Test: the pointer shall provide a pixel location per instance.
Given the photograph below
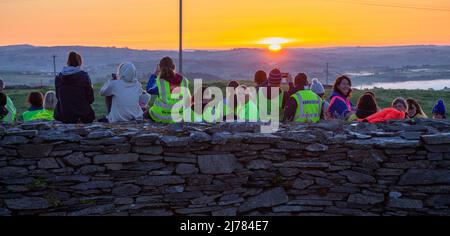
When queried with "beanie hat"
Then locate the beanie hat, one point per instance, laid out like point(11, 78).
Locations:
point(275, 77)
point(260, 77)
point(127, 72)
point(439, 108)
point(317, 87)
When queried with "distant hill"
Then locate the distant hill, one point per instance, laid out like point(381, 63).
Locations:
point(361, 62)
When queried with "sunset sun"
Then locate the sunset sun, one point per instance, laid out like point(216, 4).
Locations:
point(274, 44)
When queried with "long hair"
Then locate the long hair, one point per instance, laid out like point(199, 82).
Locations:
point(167, 68)
point(367, 105)
point(3, 102)
point(419, 110)
point(50, 101)
point(339, 81)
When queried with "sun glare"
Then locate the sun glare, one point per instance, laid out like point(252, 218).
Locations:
point(274, 44)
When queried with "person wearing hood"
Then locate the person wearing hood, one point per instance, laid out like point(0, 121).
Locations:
point(340, 105)
point(125, 90)
point(173, 89)
point(439, 112)
point(317, 88)
point(74, 93)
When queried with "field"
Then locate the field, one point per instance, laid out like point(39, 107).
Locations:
point(427, 98)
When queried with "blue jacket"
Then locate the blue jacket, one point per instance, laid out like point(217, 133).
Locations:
point(338, 109)
point(152, 88)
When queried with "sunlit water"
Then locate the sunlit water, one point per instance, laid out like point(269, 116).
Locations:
point(419, 84)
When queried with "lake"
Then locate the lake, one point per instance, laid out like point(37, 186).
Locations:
point(411, 85)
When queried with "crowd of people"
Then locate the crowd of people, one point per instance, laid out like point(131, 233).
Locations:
point(125, 100)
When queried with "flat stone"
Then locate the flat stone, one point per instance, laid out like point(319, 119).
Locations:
point(149, 150)
point(439, 201)
point(186, 169)
point(173, 141)
point(438, 148)
point(54, 136)
point(104, 141)
point(442, 138)
point(225, 212)
point(96, 210)
point(116, 158)
point(300, 137)
point(100, 135)
point(260, 138)
point(35, 150)
point(302, 184)
point(160, 180)
point(405, 203)
point(89, 169)
point(316, 147)
point(48, 163)
point(200, 137)
point(259, 165)
point(76, 159)
point(10, 171)
point(14, 140)
point(126, 190)
point(145, 139)
point(94, 185)
point(27, 203)
point(269, 198)
point(357, 178)
point(217, 164)
point(366, 199)
point(411, 135)
point(24, 133)
point(425, 177)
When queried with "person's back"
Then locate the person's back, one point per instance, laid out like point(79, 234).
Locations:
point(12, 111)
point(74, 93)
point(126, 92)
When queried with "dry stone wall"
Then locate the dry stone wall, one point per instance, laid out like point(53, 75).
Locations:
point(400, 168)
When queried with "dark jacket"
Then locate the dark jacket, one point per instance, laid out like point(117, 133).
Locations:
point(75, 96)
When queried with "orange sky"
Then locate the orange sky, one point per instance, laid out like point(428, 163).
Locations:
point(215, 24)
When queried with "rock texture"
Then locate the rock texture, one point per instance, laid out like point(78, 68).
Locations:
point(228, 169)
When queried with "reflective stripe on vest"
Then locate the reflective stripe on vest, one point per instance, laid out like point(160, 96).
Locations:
point(308, 110)
point(214, 113)
point(247, 112)
point(346, 101)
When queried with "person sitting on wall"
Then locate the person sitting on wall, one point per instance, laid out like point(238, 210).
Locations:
point(304, 106)
point(126, 91)
point(398, 111)
point(12, 111)
point(50, 102)
point(414, 109)
point(5, 116)
point(367, 105)
point(340, 105)
point(35, 100)
point(317, 88)
point(439, 112)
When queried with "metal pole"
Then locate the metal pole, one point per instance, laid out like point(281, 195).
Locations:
point(327, 73)
point(54, 65)
point(181, 39)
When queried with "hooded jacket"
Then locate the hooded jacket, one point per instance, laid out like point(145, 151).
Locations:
point(384, 116)
point(339, 109)
point(126, 93)
point(75, 95)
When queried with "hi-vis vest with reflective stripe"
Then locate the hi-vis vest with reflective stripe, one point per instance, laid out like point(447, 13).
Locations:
point(309, 106)
point(37, 115)
point(164, 109)
point(11, 111)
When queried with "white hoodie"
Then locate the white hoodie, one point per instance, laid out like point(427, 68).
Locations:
point(126, 92)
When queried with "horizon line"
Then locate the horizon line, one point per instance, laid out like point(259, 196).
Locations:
point(236, 48)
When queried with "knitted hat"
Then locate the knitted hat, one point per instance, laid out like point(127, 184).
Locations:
point(439, 108)
point(317, 87)
point(275, 77)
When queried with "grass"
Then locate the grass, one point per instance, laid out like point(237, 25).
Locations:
point(427, 98)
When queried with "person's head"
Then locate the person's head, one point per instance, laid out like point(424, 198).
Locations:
point(260, 78)
point(439, 111)
point(274, 79)
point(233, 84)
point(343, 85)
point(317, 88)
point(126, 72)
point(400, 104)
point(50, 100)
point(367, 105)
point(2, 84)
point(167, 68)
point(35, 99)
point(301, 81)
point(414, 108)
point(74, 59)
